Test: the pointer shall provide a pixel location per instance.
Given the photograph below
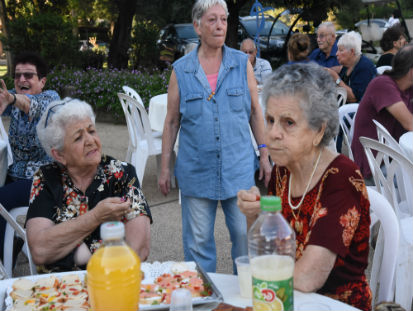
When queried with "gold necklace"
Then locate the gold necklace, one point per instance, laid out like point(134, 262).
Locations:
point(306, 189)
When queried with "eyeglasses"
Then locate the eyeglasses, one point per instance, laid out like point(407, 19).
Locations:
point(53, 110)
point(27, 75)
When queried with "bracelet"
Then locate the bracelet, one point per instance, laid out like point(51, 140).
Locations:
point(262, 146)
point(14, 99)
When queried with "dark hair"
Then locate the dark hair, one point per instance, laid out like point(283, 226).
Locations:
point(299, 46)
point(33, 59)
point(396, 13)
point(389, 36)
point(402, 62)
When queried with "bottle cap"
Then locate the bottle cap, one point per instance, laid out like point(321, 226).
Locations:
point(270, 203)
point(112, 230)
point(181, 300)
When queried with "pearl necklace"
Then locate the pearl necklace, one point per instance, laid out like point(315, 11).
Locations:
point(306, 189)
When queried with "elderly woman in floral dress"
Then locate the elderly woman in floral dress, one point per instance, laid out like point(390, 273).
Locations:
point(71, 197)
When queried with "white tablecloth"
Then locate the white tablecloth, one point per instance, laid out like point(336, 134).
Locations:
point(157, 111)
point(406, 143)
point(228, 286)
point(3, 161)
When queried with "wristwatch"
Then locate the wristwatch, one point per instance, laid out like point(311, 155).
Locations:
point(338, 81)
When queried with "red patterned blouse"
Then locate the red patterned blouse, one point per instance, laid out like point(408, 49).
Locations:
point(335, 215)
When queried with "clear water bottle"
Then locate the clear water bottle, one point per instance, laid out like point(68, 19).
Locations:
point(271, 248)
point(113, 272)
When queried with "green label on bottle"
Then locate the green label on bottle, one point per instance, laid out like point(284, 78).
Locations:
point(273, 295)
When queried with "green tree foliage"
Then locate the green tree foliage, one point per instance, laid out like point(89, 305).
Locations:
point(143, 50)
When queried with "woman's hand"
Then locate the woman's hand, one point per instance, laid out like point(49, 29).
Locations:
point(164, 181)
point(111, 209)
point(249, 203)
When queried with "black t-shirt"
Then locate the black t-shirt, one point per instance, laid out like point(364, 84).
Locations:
point(385, 60)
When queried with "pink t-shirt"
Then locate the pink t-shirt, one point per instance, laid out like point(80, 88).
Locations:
point(381, 93)
point(212, 80)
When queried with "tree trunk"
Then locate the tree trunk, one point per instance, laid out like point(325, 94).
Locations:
point(4, 22)
point(232, 32)
point(118, 51)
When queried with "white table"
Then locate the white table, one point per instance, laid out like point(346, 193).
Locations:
point(3, 161)
point(228, 286)
point(406, 143)
point(157, 111)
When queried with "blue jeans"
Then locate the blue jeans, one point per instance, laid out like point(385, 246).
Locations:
point(198, 220)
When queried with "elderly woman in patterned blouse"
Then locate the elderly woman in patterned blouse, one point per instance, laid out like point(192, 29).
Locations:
point(323, 193)
point(71, 197)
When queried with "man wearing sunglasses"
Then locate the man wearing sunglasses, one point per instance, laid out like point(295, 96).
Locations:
point(24, 105)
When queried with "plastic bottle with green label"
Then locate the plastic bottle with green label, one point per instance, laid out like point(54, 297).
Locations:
point(271, 248)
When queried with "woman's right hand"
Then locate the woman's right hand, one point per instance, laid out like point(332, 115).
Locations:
point(110, 209)
point(164, 181)
point(249, 202)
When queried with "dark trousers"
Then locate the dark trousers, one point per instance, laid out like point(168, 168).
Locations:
point(15, 193)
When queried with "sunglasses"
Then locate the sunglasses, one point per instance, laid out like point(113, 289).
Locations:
point(52, 110)
point(27, 75)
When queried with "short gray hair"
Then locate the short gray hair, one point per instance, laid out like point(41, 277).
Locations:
point(313, 86)
point(201, 6)
point(248, 40)
point(329, 26)
point(51, 128)
point(351, 40)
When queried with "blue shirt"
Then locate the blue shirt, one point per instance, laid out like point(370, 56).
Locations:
point(216, 157)
point(320, 58)
point(363, 72)
point(28, 153)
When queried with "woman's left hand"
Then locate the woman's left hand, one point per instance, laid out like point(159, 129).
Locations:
point(110, 209)
point(265, 169)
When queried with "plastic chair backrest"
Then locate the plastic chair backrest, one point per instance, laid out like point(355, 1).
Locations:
point(132, 93)
point(385, 137)
point(382, 69)
point(396, 183)
point(341, 96)
point(386, 250)
point(5, 137)
point(347, 115)
point(13, 228)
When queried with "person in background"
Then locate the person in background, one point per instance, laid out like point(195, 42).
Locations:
point(357, 70)
point(262, 67)
point(212, 102)
point(325, 54)
point(24, 105)
point(388, 100)
point(71, 197)
point(393, 40)
point(393, 19)
point(323, 195)
point(298, 48)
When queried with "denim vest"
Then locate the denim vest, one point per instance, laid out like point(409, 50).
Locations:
point(216, 157)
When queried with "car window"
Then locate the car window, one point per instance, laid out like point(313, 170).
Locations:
point(186, 32)
point(279, 28)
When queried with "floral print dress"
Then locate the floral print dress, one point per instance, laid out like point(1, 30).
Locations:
point(54, 196)
point(335, 214)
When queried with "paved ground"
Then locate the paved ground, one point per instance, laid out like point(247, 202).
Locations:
point(166, 243)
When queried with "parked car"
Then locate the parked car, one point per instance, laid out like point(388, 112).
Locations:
point(379, 21)
point(175, 40)
point(271, 45)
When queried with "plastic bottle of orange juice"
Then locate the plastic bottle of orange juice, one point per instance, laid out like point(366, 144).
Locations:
point(113, 272)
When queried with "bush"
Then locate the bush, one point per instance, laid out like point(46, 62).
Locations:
point(48, 34)
point(99, 87)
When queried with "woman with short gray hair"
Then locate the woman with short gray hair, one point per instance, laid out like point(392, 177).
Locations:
point(79, 191)
point(213, 103)
point(357, 70)
point(323, 195)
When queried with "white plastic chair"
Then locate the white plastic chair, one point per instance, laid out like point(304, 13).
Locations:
point(13, 228)
point(4, 136)
point(385, 137)
point(347, 115)
point(382, 69)
point(143, 142)
point(341, 96)
point(401, 199)
point(132, 93)
point(385, 253)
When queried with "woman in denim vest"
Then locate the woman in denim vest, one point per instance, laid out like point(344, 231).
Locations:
point(213, 101)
